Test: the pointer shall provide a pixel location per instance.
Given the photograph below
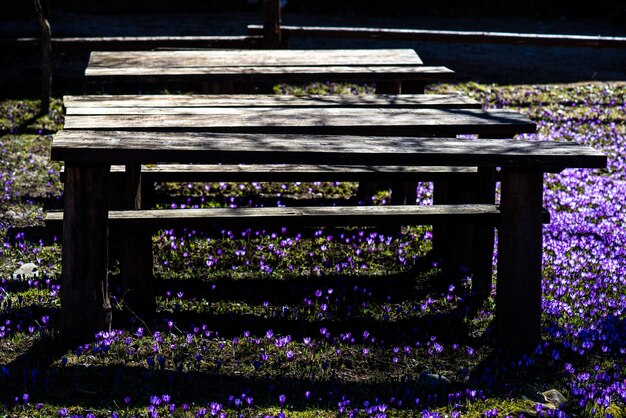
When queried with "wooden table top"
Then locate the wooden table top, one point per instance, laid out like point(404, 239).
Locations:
point(253, 58)
point(310, 120)
point(261, 66)
point(121, 147)
point(97, 104)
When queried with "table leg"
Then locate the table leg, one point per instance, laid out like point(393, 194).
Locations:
point(85, 305)
point(484, 237)
point(136, 253)
point(217, 87)
point(402, 193)
point(518, 293)
point(454, 244)
point(413, 87)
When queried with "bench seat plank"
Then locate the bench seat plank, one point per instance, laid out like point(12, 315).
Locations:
point(201, 147)
point(85, 105)
point(259, 58)
point(333, 216)
point(304, 216)
point(315, 120)
point(267, 74)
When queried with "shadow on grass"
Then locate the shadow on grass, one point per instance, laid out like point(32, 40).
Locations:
point(105, 386)
point(393, 307)
point(40, 372)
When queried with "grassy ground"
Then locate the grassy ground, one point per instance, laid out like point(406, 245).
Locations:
point(308, 323)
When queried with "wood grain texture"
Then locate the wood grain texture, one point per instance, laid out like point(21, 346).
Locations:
point(306, 216)
point(253, 58)
point(288, 172)
point(293, 172)
point(85, 304)
point(518, 292)
point(267, 74)
point(317, 120)
point(87, 105)
point(210, 148)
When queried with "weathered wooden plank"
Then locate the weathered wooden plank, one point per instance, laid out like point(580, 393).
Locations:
point(426, 35)
point(267, 74)
point(289, 172)
point(288, 113)
point(85, 305)
point(318, 120)
point(293, 172)
point(254, 58)
point(306, 216)
point(211, 148)
point(77, 105)
point(518, 293)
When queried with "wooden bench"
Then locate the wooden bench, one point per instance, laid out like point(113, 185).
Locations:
point(222, 71)
point(88, 155)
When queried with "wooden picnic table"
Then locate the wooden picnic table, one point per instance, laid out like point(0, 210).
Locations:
point(227, 71)
point(126, 131)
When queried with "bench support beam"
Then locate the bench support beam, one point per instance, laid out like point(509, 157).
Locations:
point(518, 296)
point(85, 305)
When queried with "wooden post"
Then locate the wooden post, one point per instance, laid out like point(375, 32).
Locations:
point(85, 305)
point(454, 244)
point(218, 87)
point(402, 193)
point(482, 269)
point(271, 24)
point(518, 293)
point(136, 253)
point(413, 87)
point(46, 57)
point(388, 87)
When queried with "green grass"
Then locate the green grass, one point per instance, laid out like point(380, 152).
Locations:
point(347, 281)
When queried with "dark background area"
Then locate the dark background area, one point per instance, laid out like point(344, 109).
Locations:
point(614, 9)
point(488, 63)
